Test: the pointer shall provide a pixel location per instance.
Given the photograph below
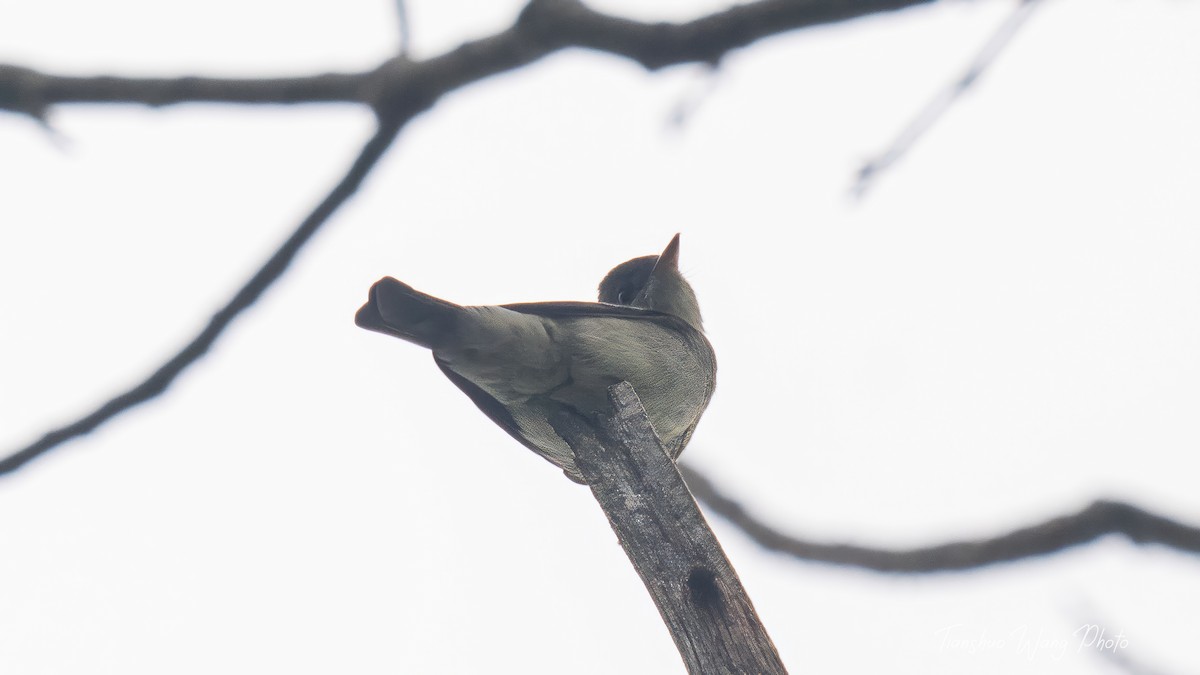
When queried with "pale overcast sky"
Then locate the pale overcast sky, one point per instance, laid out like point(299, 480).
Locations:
point(1003, 331)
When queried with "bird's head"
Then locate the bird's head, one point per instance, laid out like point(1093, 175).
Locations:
point(653, 282)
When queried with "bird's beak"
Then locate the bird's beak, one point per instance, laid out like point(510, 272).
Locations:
point(669, 258)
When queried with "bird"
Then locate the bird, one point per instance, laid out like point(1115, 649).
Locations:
point(523, 363)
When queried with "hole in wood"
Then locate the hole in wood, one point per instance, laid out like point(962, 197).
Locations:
point(702, 585)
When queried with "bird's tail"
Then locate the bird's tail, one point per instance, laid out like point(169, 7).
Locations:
point(397, 309)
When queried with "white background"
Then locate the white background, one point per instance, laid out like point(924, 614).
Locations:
point(1004, 330)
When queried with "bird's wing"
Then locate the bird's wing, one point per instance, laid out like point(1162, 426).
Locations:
point(495, 411)
point(575, 310)
point(567, 310)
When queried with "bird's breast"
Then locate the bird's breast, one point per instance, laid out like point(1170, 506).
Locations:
point(671, 370)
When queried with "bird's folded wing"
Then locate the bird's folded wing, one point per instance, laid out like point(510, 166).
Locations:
point(576, 310)
point(500, 415)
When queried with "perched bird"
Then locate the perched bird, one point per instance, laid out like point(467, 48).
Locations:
point(522, 363)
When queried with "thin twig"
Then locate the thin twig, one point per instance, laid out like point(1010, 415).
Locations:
point(694, 98)
point(402, 27)
point(1109, 642)
point(159, 380)
point(1097, 520)
point(939, 104)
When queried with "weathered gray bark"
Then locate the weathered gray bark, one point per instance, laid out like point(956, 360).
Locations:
point(659, 525)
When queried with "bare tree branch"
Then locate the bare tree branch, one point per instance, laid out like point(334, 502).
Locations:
point(939, 104)
point(159, 380)
point(544, 27)
point(671, 546)
point(31, 92)
point(1057, 534)
point(398, 90)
